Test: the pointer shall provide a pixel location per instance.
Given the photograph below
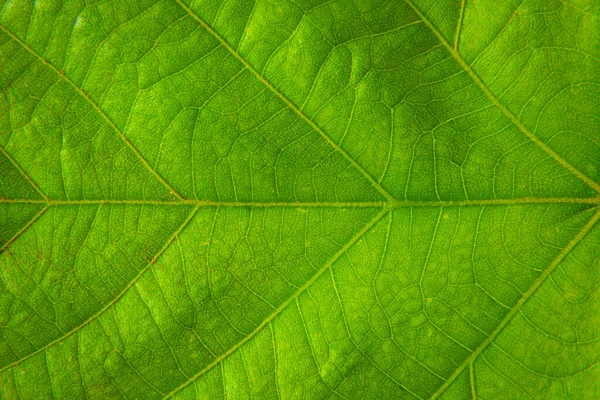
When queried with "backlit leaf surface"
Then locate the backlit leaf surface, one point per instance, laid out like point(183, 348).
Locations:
point(286, 199)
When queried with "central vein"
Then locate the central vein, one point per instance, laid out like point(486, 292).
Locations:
point(391, 204)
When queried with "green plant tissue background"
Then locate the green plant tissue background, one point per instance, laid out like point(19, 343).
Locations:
point(300, 199)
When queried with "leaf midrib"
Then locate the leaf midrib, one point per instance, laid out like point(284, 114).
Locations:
point(392, 204)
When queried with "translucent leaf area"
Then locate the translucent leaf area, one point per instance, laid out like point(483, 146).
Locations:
point(299, 199)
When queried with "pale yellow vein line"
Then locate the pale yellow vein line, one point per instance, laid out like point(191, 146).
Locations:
point(18, 167)
point(472, 381)
point(97, 108)
point(20, 232)
point(459, 24)
point(498, 202)
point(204, 203)
point(389, 204)
point(594, 185)
point(526, 296)
point(283, 305)
point(291, 105)
point(113, 301)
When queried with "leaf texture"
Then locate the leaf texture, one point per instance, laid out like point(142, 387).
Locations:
point(316, 199)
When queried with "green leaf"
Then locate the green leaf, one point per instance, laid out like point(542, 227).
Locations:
point(299, 199)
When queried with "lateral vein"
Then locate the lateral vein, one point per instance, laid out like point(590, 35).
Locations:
point(458, 58)
point(526, 296)
point(18, 167)
point(23, 229)
point(97, 108)
point(114, 300)
point(459, 24)
point(288, 102)
point(283, 305)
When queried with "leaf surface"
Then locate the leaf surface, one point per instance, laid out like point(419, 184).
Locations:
point(315, 199)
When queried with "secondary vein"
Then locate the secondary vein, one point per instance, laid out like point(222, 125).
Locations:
point(526, 296)
point(459, 24)
point(288, 102)
point(95, 107)
point(23, 229)
point(18, 167)
point(113, 301)
point(458, 58)
point(283, 305)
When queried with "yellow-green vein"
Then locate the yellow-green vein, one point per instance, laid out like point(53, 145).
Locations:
point(291, 105)
point(18, 167)
point(593, 201)
point(96, 108)
point(459, 24)
point(526, 296)
point(113, 301)
point(23, 229)
point(458, 58)
point(283, 305)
